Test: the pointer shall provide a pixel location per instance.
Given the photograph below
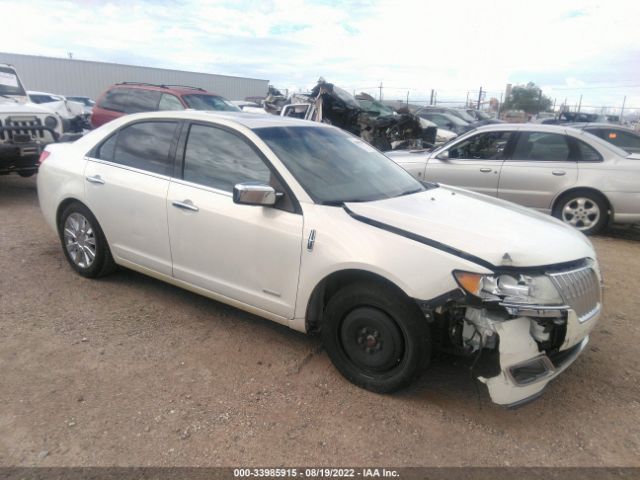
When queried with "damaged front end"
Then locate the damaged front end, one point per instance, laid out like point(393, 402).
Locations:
point(522, 327)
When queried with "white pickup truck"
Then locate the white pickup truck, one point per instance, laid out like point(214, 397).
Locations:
point(25, 128)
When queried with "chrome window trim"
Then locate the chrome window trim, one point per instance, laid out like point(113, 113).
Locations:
point(201, 187)
point(126, 167)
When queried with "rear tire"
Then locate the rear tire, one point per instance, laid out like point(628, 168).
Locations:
point(585, 210)
point(375, 337)
point(84, 243)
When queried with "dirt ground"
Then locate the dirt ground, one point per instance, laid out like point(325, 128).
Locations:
point(130, 371)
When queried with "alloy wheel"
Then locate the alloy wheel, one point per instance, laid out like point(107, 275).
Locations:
point(582, 213)
point(80, 240)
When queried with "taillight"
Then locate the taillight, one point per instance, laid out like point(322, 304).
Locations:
point(43, 156)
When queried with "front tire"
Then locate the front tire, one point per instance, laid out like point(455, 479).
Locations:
point(583, 209)
point(84, 243)
point(375, 337)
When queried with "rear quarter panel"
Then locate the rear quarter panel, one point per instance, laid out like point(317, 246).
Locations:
point(60, 177)
point(619, 180)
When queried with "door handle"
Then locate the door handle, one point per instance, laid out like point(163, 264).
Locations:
point(186, 205)
point(485, 170)
point(558, 173)
point(97, 179)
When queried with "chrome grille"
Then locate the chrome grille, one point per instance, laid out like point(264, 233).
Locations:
point(580, 289)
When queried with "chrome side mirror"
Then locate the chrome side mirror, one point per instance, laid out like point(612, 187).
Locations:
point(443, 155)
point(254, 193)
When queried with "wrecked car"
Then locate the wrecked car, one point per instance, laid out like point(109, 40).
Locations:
point(73, 115)
point(384, 129)
point(311, 227)
point(25, 128)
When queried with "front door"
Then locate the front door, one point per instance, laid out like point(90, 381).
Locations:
point(474, 163)
point(250, 254)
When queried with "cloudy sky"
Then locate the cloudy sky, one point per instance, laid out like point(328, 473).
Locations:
point(569, 47)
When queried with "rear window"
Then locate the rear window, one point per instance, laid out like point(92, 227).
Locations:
point(115, 99)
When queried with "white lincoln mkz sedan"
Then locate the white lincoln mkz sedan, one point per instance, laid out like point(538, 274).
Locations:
point(309, 226)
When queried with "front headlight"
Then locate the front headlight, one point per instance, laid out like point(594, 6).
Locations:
point(51, 122)
point(513, 288)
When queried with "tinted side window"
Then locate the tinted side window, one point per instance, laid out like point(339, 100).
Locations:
point(115, 99)
point(484, 146)
point(106, 150)
point(219, 159)
point(142, 101)
point(587, 153)
point(542, 146)
point(146, 146)
point(169, 102)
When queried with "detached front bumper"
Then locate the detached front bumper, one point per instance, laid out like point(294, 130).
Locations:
point(525, 371)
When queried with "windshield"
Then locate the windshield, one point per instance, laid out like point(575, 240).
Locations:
point(334, 167)
point(483, 115)
point(209, 102)
point(9, 83)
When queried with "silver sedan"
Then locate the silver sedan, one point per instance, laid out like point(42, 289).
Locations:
point(573, 175)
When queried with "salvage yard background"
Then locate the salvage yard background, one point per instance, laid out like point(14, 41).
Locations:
point(131, 371)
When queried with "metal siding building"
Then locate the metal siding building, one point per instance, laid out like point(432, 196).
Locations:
point(88, 78)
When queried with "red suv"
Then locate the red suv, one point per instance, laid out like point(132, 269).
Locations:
point(130, 97)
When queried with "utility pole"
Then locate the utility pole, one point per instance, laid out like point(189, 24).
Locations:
point(554, 106)
point(435, 99)
point(622, 110)
point(539, 101)
point(380, 96)
point(431, 99)
point(580, 103)
point(479, 97)
point(407, 97)
point(467, 102)
point(499, 105)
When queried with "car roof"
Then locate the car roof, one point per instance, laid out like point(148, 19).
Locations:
point(245, 119)
point(584, 125)
point(177, 89)
point(532, 127)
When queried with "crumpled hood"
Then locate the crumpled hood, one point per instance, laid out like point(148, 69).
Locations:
point(496, 231)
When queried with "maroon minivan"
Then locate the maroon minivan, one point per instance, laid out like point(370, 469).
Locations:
point(132, 97)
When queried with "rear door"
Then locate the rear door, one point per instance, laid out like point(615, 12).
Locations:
point(127, 179)
point(473, 163)
point(542, 165)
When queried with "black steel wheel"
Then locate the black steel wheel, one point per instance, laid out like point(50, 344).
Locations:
point(376, 337)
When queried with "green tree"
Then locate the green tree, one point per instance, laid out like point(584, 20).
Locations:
point(529, 98)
